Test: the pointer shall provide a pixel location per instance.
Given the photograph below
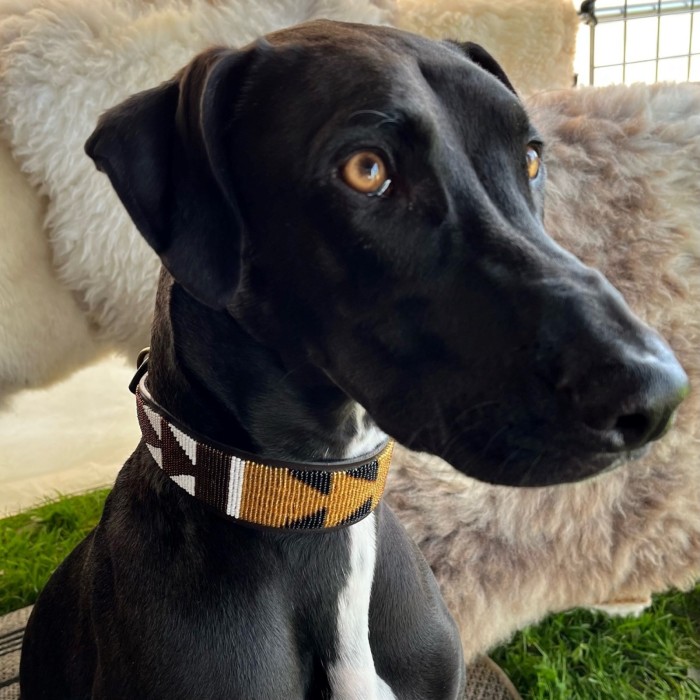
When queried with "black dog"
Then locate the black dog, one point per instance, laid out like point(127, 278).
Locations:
point(350, 220)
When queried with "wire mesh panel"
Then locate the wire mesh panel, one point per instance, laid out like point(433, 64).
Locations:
point(632, 41)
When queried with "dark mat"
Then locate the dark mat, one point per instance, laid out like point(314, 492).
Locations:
point(11, 631)
point(485, 680)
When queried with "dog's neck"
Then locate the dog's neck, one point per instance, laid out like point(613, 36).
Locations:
point(216, 378)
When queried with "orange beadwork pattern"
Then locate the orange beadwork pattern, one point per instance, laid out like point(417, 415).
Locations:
point(278, 497)
point(285, 495)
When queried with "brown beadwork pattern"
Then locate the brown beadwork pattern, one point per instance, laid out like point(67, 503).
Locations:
point(277, 496)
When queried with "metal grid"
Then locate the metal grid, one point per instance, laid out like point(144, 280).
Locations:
point(645, 52)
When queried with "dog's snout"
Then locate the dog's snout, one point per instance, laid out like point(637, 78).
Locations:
point(616, 380)
point(632, 401)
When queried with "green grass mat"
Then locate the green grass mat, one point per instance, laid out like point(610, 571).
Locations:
point(589, 656)
point(573, 656)
point(34, 543)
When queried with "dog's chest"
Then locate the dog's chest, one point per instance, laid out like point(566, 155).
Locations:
point(352, 675)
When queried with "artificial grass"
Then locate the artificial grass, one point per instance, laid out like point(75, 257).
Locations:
point(579, 655)
point(588, 655)
point(34, 543)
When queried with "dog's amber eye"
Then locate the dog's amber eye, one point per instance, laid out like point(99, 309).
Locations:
point(533, 162)
point(366, 172)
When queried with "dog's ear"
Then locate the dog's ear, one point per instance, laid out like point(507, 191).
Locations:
point(479, 55)
point(163, 150)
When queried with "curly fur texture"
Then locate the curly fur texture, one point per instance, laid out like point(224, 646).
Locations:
point(39, 342)
point(623, 194)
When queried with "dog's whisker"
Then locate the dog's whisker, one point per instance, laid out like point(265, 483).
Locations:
point(493, 437)
point(290, 372)
point(454, 431)
point(385, 118)
point(504, 463)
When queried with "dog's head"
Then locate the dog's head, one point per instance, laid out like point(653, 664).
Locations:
point(371, 201)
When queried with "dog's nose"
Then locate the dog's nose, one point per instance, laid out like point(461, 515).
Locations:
point(615, 378)
point(633, 401)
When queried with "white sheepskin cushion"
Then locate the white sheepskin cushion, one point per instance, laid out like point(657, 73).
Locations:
point(534, 40)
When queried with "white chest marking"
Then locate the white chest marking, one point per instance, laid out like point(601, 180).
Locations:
point(353, 676)
point(366, 439)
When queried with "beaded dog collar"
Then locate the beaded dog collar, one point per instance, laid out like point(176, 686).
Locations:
point(276, 494)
